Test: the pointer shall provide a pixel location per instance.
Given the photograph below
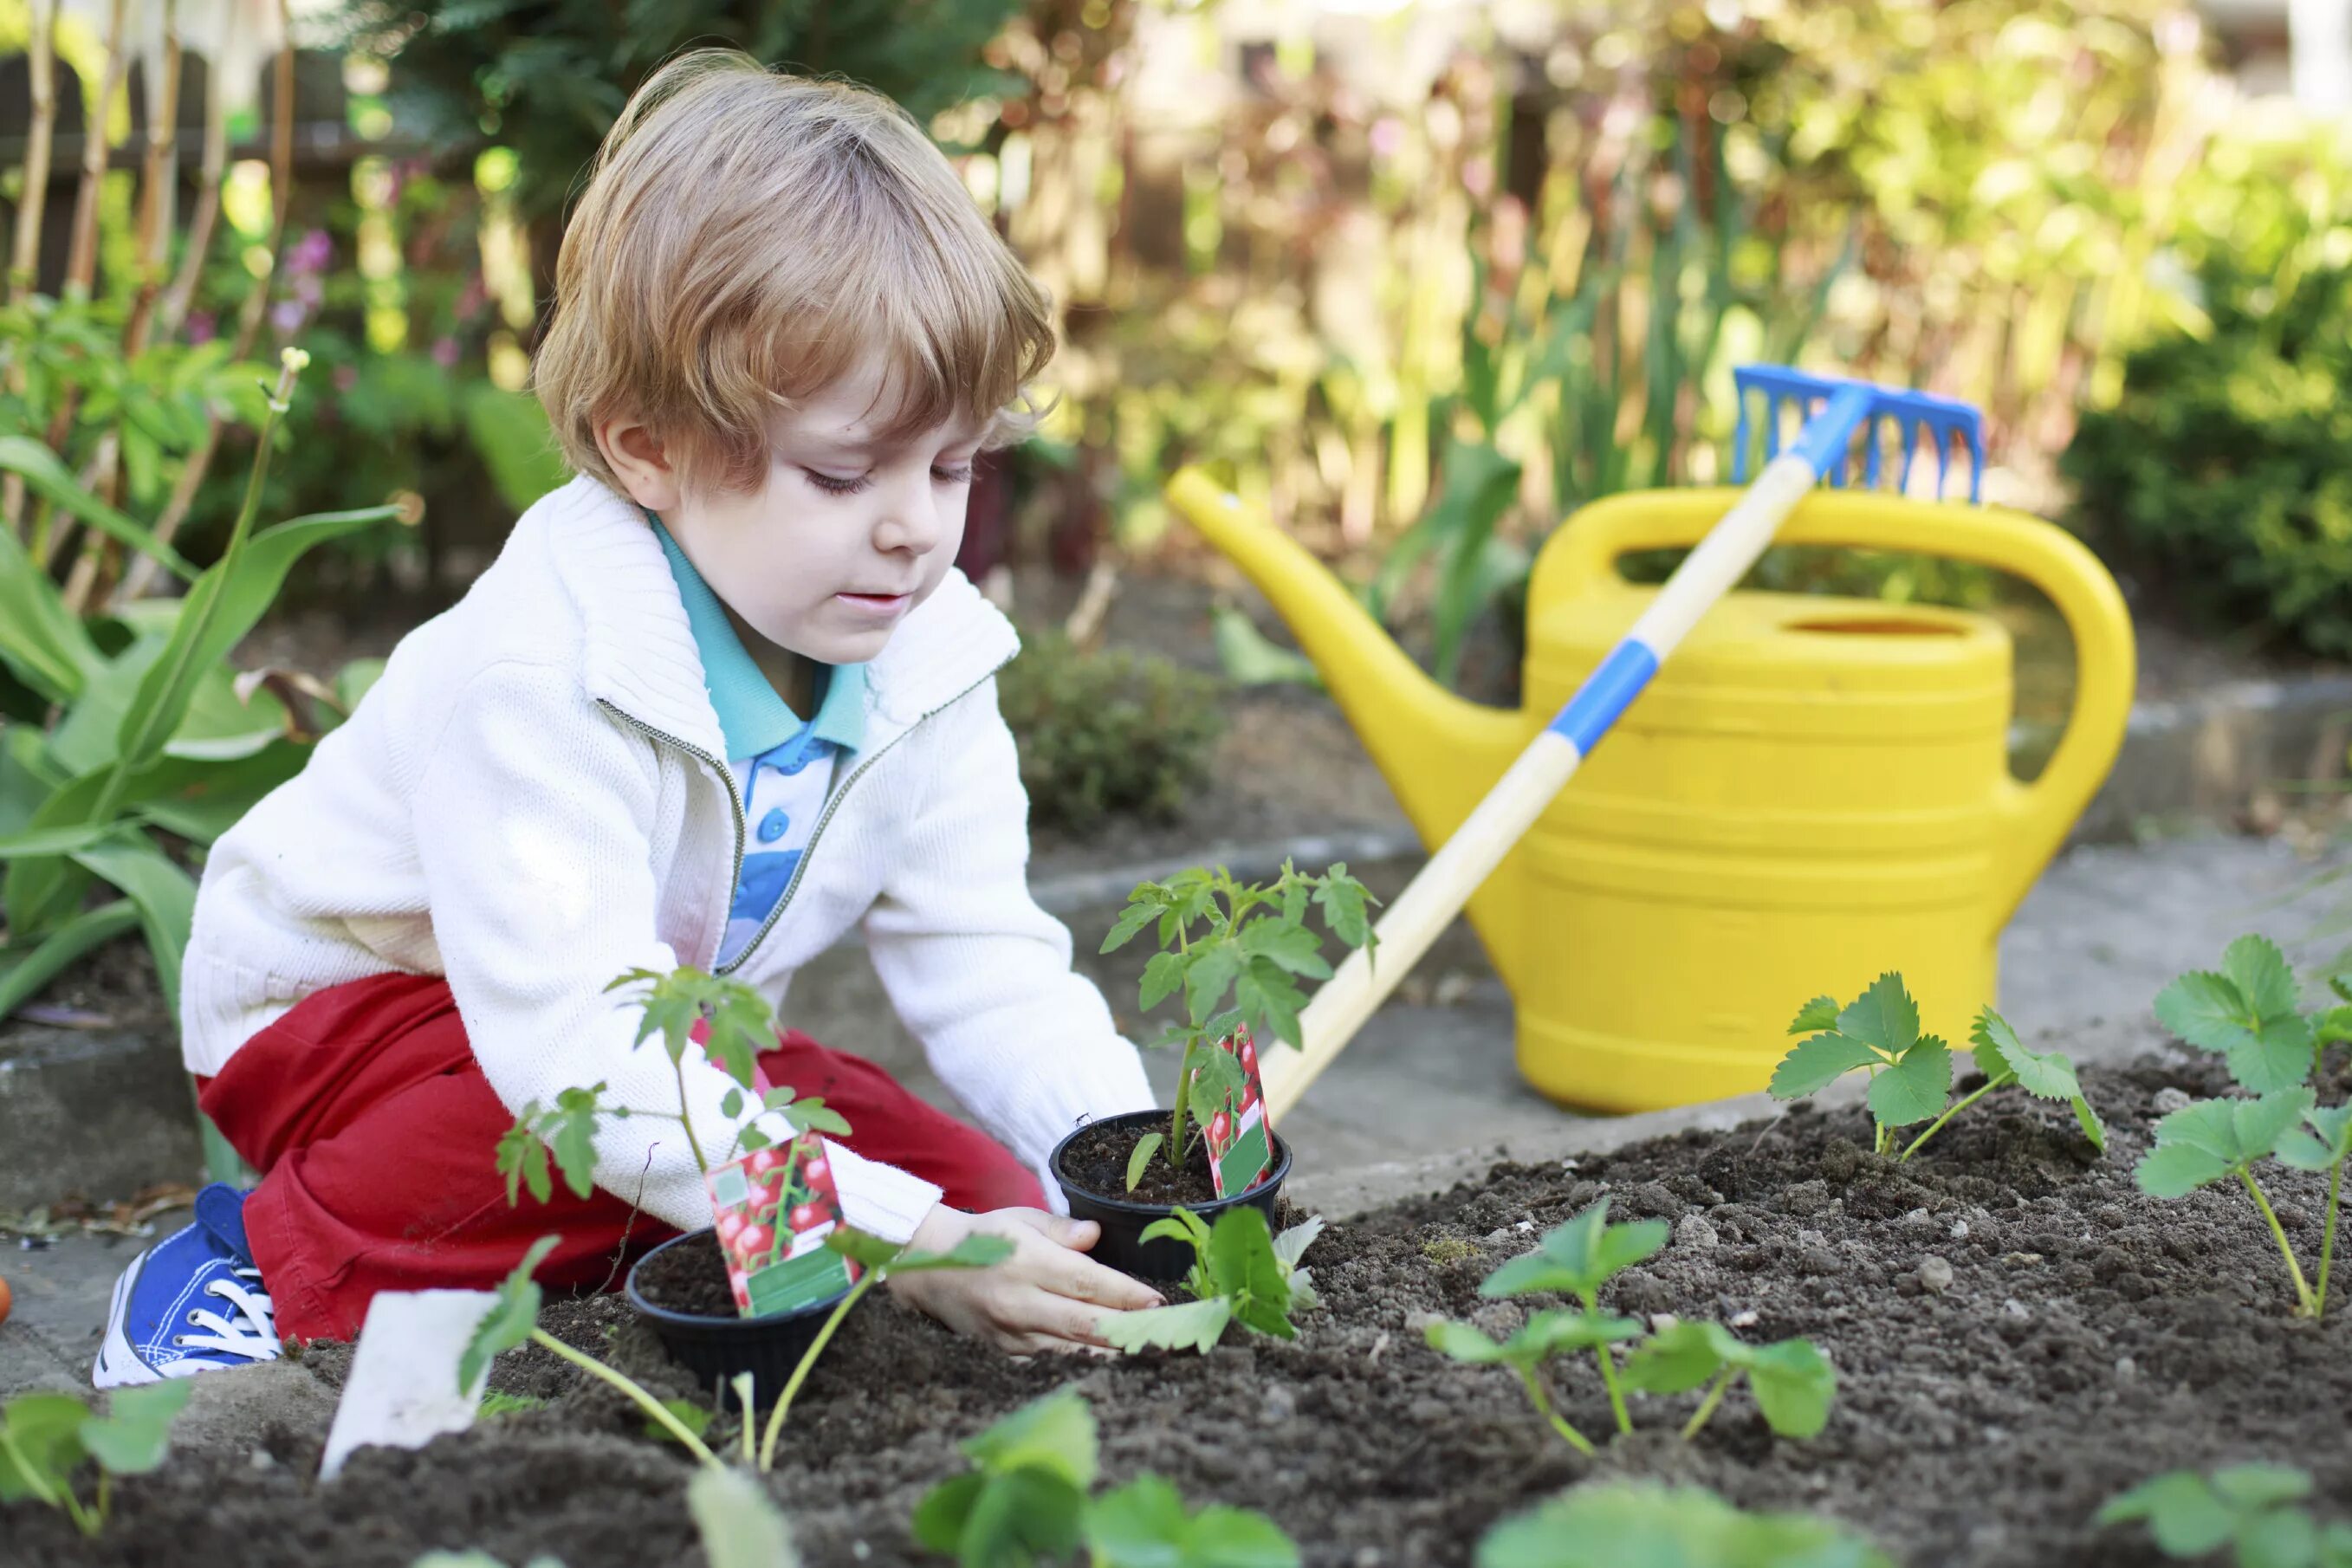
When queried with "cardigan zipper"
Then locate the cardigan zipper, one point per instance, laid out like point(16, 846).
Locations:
point(831, 803)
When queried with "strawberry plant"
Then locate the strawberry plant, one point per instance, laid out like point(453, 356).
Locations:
point(45, 1437)
point(1793, 1383)
point(1241, 1273)
point(1616, 1524)
point(1911, 1072)
point(1252, 944)
point(2247, 1508)
point(2247, 1014)
point(1028, 1499)
point(737, 1024)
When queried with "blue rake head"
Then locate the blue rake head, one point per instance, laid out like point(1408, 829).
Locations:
point(1914, 416)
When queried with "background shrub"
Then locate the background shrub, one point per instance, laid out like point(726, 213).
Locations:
point(1106, 734)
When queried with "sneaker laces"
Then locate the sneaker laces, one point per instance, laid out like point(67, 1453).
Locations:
point(250, 1329)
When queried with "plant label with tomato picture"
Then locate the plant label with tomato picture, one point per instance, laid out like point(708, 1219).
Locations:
point(1241, 1145)
point(774, 1207)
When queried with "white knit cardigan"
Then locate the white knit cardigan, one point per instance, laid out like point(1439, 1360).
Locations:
point(533, 799)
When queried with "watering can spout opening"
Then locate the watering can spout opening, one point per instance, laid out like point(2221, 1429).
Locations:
point(1438, 752)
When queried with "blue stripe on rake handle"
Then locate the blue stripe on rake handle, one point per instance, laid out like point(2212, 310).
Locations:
point(1606, 692)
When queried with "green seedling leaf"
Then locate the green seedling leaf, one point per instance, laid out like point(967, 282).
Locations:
point(814, 1116)
point(1553, 1331)
point(740, 1526)
point(1140, 1156)
point(2263, 977)
point(940, 1516)
point(1916, 1087)
point(1293, 947)
point(1818, 1016)
point(2325, 1145)
point(2247, 1014)
point(971, 1252)
point(1056, 1435)
point(1883, 1017)
point(1163, 978)
point(1342, 899)
point(866, 1251)
point(2004, 1058)
point(1679, 1359)
point(2202, 1143)
point(1181, 1326)
point(1180, 1225)
point(2205, 1010)
point(135, 1433)
point(1139, 913)
point(1292, 1244)
point(1144, 1524)
point(1464, 1343)
point(1242, 1269)
point(512, 1315)
point(1794, 1385)
point(690, 1415)
point(2191, 1515)
point(498, 1403)
point(1027, 1516)
point(1207, 977)
point(1815, 1064)
point(1578, 1256)
point(522, 1159)
point(1640, 1524)
point(42, 1445)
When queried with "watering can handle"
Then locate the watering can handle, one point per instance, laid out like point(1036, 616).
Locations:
point(2036, 815)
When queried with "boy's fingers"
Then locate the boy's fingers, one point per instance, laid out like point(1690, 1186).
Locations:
point(1070, 1274)
point(1078, 1235)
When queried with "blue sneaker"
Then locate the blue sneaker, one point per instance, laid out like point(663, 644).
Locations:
point(193, 1302)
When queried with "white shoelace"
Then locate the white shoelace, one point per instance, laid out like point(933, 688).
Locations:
point(249, 1330)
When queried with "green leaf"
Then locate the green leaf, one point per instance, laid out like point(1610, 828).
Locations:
point(571, 1131)
point(48, 478)
point(1916, 1087)
point(1818, 1016)
point(1131, 920)
point(2260, 1485)
point(1640, 1524)
point(1183, 1224)
point(1144, 1525)
point(866, 1251)
point(694, 1417)
point(1210, 970)
point(41, 641)
point(1023, 1517)
point(1463, 1342)
point(24, 976)
point(522, 1158)
point(2175, 1170)
point(1342, 899)
point(1056, 1435)
point(730, 1104)
point(509, 432)
point(812, 1115)
point(1163, 978)
point(44, 1446)
point(1181, 1326)
point(1883, 1017)
point(1271, 1002)
point(2181, 1510)
point(1294, 948)
point(1577, 1258)
point(1140, 1155)
point(2261, 1122)
point(164, 896)
point(1292, 1244)
point(1813, 1064)
point(1243, 1270)
point(1675, 1360)
point(740, 1527)
point(513, 1313)
point(2329, 1141)
point(2205, 1009)
point(1794, 1385)
point(2276, 1056)
point(2088, 1120)
point(2263, 977)
point(971, 1252)
point(940, 1516)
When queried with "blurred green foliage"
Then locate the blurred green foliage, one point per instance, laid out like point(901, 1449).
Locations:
point(2224, 473)
point(1107, 733)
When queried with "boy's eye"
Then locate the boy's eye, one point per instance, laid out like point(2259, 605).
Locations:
point(832, 484)
point(952, 473)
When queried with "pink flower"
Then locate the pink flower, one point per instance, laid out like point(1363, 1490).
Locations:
point(201, 327)
point(444, 353)
point(287, 315)
point(311, 252)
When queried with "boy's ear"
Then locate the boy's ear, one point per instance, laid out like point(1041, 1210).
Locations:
point(640, 462)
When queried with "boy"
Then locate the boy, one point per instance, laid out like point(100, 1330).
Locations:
point(719, 697)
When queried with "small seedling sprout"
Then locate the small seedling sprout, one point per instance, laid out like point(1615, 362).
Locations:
point(45, 1437)
point(1254, 946)
point(1793, 1381)
point(1027, 1500)
point(1613, 1524)
point(2248, 1508)
point(1241, 1273)
point(1910, 1072)
point(2246, 1014)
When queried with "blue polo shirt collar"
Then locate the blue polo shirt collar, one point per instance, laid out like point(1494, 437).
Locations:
point(751, 717)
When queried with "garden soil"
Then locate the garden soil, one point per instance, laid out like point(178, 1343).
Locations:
point(2019, 1334)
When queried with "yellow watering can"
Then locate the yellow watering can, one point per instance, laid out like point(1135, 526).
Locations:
point(1813, 790)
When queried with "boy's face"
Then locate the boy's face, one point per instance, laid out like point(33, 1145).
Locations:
point(845, 537)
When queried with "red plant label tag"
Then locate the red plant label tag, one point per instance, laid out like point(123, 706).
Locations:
point(1241, 1145)
point(774, 1209)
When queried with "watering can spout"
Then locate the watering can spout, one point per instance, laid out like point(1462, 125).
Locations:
point(1404, 716)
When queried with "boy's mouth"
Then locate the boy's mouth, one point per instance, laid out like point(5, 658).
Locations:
point(877, 604)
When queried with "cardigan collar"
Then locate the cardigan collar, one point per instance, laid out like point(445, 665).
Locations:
point(639, 652)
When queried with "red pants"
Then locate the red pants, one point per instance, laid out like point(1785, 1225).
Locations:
point(375, 1131)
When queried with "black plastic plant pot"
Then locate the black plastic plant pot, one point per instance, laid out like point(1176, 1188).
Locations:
point(1123, 1220)
point(715, 1350)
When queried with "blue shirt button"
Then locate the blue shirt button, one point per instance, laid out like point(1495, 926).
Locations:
point(773, 826)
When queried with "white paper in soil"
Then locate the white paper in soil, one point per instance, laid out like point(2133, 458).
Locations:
point(402, 1391)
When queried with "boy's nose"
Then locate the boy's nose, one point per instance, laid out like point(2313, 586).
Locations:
point(912, 520)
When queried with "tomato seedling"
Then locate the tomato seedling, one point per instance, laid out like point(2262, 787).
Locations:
point(1253, 945)
point(45, 1437)
point(1241, 1273)
point(1911, 1072)
point(1792, 1381)
point(2247, 1508)
point(738, 1024)
point(1029, 1499)
point(1613, 1524)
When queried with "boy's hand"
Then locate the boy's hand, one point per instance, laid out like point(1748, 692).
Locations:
point(1046, 1297)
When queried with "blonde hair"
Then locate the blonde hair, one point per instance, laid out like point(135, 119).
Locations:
point(745, 237)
